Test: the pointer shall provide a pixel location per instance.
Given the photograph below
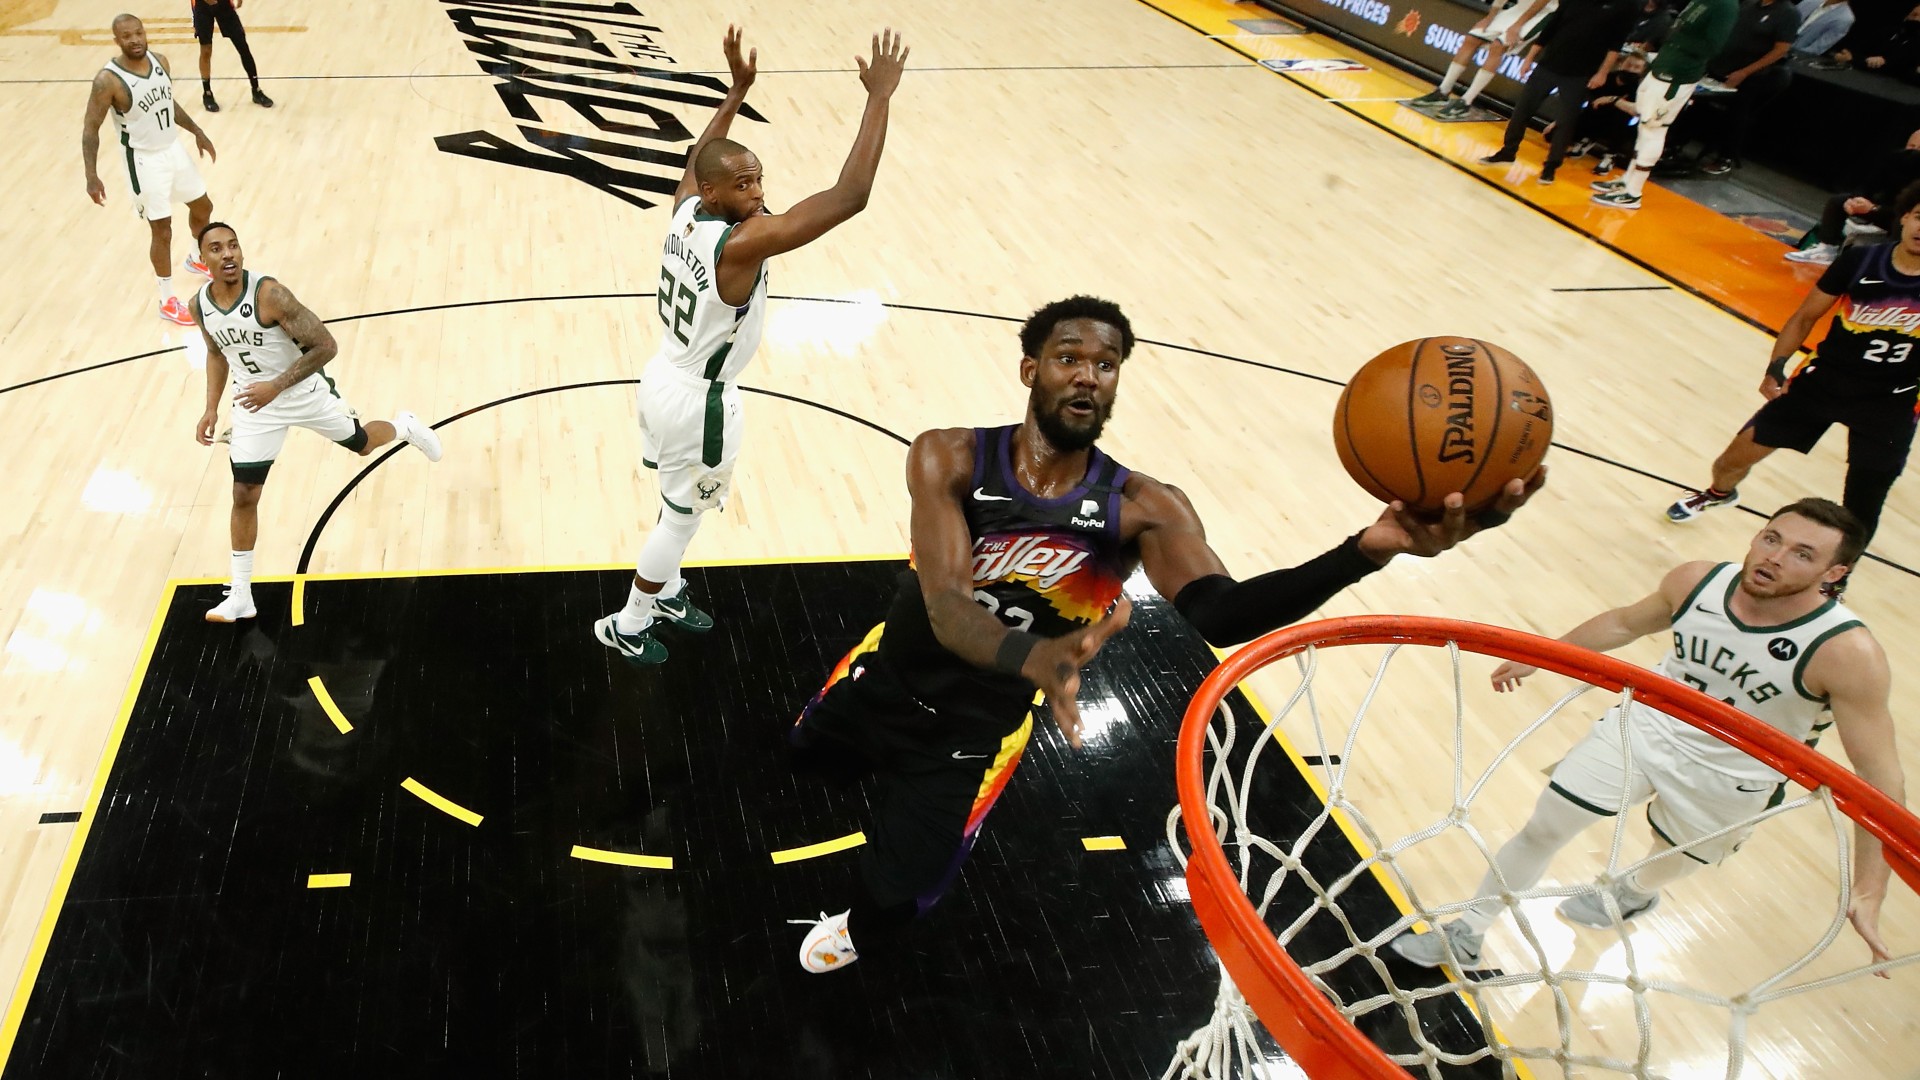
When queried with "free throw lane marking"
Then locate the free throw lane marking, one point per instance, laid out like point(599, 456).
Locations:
point(440, 802)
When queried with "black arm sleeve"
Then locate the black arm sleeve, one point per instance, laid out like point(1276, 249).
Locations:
point(1228, 612)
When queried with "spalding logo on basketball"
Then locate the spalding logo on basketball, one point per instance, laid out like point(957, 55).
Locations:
point(1430, 417)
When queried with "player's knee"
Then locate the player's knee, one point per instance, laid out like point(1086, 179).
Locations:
point(246, 495)
point(162, 229)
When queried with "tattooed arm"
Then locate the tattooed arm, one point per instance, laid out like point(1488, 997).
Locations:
point(278, 305)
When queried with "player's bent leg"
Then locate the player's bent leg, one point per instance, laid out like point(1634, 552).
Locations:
point(1731, 467)
point(199, 213)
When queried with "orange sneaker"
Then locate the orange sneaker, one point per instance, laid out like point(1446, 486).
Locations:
point(194, 266)
point(175, 311)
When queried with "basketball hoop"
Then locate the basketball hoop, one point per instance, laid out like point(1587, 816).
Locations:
point(1295, 1000)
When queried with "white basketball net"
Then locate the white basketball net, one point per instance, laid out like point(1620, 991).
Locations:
point(1228, 1044)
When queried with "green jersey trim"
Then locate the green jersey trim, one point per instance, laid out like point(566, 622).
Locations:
point(1801, 621)
point(1800, 668)
point(245, 286)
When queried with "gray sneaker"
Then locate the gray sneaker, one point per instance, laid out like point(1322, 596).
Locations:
point(679, 611)
point(1430, 948)
point(1435, 97)
point(1699, 503)
point(1589, 909)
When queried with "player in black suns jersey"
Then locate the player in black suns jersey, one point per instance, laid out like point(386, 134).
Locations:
point(1022, 536)
point(1864, 375)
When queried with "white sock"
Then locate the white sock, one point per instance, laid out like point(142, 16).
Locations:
point(166, 289)
point(1480, 80)
point(638, 614)
point(242, 573)
point(1636, 180)
point(1454, 71)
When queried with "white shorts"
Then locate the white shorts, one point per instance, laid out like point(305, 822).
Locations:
point(1504, 19)
point(160, 178)
point(258, 436)
point(1653, 104)
point(690, 431)
point(1689, 800)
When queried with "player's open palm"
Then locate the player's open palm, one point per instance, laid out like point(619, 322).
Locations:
point(1508, 675)
point(882, 74)
point(742, 68)
point(1054, 666)
point(1865, 916)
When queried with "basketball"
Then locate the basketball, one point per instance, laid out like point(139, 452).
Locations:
point(1442, 414)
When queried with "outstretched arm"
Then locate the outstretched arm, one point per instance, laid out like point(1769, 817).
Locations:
point(1619, 626)
point(99, 100)
point(278, 304)
point(743, 71)
point(1852, 670)
point(758, 239)
point(1183, 567)
point(939, 465)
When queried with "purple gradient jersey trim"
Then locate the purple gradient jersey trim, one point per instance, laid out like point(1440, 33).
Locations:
point(1019, 490)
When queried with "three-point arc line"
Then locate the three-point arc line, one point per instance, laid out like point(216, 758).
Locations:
point(440, 802)
point(327, 706)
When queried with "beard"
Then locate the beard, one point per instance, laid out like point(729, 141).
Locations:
point(1070, 434)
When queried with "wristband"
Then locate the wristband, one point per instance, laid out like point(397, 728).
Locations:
point(1777, 369)
point(1011, 657)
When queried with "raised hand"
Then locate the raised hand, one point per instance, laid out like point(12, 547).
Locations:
point(1401, 532)
point(1508, 675)
point(882, 74)
point(743, 70)
point(1054, 666)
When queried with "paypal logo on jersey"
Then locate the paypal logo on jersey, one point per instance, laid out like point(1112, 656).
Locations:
point(1086, 520)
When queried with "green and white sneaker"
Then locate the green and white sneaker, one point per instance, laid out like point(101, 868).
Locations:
point(1433, 97)
point(679, 611)
point(1429, 949)
point(1607, 187)
point(641, 648)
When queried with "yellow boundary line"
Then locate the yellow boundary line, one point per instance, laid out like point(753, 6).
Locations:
point(373, 575)
point(440, 802)
point(329, 881)
point(327, 706)
point(621, 858)
point(57, 899)
point(825, 847)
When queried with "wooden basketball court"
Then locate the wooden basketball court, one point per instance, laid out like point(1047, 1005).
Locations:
point(484, 243)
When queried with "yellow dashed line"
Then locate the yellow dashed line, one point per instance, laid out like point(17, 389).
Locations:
point(440, 802)
point(327, 706)
point(814, 851)
point(1103, 843)
point(329, 881)
point(622, 858)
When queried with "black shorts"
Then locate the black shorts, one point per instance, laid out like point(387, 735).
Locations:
point(220, 11)
point(1879, 424)
point(934, 776)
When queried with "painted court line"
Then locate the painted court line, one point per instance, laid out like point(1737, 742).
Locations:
point(1103, 843)
point(440, 802)
point(621, 858)
point(327, 706)
point(826, 847)
point(329, 881)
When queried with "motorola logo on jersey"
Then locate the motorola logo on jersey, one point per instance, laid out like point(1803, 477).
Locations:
point(1783, 648)
point(595, 94)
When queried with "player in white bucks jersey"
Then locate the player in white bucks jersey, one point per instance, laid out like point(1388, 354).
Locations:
point(1760, 635)
point(712, 300)
point(136, 89)
point(268, 348)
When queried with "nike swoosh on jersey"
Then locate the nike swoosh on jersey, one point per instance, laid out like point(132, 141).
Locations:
point(1873, 281)
point(1705, 610)
point(981, 494)
point(1754, 790)
point(958, 756)
point(1904, 389)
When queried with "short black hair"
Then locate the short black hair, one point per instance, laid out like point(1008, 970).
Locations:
point(1853, 533)
point(124, 17)
point(1904, 202)
point(708, 164)
point(1039, 325)
point(201, 236)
